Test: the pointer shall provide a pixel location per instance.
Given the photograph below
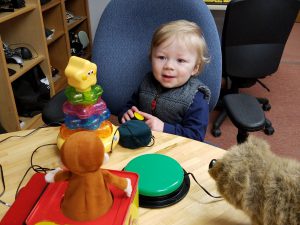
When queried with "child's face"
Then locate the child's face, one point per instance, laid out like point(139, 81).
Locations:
point(173, 63)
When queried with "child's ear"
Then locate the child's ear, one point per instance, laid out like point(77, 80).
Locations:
point(196, 69)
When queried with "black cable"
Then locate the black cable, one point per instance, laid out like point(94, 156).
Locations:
point(21, 136)
point(35, 150)
point(113, 139)
point(3, 183)
point(36, 129)
point(207, 192)
point(5, 203)
point(2, 180)
point(35, 168)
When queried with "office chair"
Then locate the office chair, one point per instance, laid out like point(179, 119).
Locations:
point(121, 48)
point(253, 39)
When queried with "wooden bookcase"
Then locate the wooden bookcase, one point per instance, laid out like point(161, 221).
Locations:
point(58, 45)
point(54, 16)
point(27, 25)
point(23, 26)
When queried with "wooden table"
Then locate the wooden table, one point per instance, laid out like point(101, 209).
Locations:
point(196, 208)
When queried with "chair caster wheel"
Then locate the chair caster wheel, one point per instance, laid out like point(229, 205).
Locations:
point(266, 107)
point(216, 132)
point(269, 130)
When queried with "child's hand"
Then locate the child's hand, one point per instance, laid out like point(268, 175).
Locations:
point(153, 122)
point(129, 114)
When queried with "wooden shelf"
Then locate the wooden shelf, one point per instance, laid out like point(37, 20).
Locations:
point(56, 35)
point(59, 47)
point(50, 5)
point(60, 83)
point(26, 67)
point(87, 55)
point(31, 123)
point(26, 26)
point(76, 22)
point(5, 16)
point(23, 27)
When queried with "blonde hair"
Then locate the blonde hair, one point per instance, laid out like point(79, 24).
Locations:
point(189, 32)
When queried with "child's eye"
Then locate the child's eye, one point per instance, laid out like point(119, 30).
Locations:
point(181, 60)
point(161, 57)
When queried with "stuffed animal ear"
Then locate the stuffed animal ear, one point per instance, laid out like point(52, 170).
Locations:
point(216, 169)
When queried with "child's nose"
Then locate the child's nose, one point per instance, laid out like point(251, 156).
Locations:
point(168, 64)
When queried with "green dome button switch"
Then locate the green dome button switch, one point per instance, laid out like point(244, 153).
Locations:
point(159, 175)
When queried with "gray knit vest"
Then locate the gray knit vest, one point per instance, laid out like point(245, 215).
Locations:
point(170, 104)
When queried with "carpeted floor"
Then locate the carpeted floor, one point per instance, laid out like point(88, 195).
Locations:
point(284, 99)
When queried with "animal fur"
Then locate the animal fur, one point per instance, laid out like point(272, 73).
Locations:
point(265, 186)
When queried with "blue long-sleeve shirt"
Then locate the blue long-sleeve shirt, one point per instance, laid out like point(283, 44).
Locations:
point(194, 123)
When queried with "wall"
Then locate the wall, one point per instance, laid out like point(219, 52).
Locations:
point(96, 8)
point(219, 19)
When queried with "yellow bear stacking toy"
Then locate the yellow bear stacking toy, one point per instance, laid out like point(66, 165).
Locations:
point(84, 109)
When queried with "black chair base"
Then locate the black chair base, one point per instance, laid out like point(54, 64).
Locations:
point(245, 113)
point(265, 104)
point(216, 131)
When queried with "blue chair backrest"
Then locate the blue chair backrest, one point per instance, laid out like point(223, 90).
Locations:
point(123, 37)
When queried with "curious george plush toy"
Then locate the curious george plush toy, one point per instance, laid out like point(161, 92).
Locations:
point(265, 186)
point(87, 196)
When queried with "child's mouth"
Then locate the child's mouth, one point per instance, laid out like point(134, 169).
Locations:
point(167, 76)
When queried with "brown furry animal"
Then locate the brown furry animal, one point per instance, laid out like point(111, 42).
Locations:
point(265, 186)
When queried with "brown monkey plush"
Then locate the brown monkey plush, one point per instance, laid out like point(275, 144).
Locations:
point(87, 196)
point(265, 186)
